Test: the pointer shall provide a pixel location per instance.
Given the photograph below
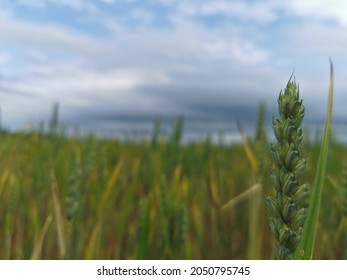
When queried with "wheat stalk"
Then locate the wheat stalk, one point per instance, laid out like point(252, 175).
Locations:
point(289, 205)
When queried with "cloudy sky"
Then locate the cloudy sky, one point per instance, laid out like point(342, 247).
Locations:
point(115, 65)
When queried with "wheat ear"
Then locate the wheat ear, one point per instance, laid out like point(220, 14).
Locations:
point(288, 208)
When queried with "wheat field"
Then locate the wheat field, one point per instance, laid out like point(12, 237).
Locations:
point(89, 198)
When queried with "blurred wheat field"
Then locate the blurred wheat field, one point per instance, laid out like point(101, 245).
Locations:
point(69, 198)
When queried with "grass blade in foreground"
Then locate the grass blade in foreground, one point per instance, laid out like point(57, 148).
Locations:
point(36, 254)
point(58, 215)
point(306, 246)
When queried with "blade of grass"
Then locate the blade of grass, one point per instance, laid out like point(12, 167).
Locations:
point(127, 207)
point(254, 232)
point(241, 197)
point(144, 228)
point(59, 218)
point(109, 187)
point(341, 230)
point(93, 240)
point(213, 189)
point(306, 246)
point(197, 221)
point(248, 151)
point(36, 254)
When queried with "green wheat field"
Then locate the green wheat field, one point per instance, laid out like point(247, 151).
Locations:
point(90, 198)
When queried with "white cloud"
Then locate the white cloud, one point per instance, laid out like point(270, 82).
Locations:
point(264, 12)
point(241, 51)
point(77, 86)
point(142, 15)
point(29, 3)
point(77, 5)
point(165, 2)
point(320, 39)
point(5, 58)
point(83, 94)
point(109, 1)
point(46, 36)
point(320, 9)
point(240, 10)
point(186, 41)
point(63, 80)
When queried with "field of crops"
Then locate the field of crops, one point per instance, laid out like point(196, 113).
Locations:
point(73, 198)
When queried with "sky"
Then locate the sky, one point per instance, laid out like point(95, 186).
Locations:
point(115, 65)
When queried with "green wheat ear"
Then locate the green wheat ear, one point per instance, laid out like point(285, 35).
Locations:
point(288, 207)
